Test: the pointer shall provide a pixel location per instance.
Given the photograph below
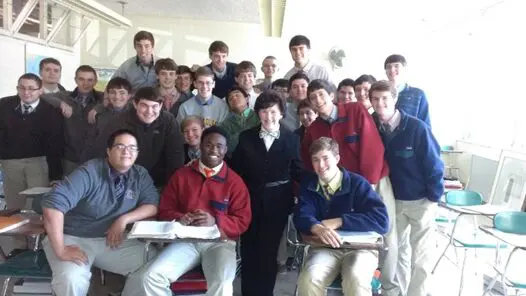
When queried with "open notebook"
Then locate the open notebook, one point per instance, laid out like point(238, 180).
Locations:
point(172, 230)
point(369, 237)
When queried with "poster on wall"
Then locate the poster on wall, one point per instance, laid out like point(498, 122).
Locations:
point(104, 75)
point(33, 62)
point(34, 53)
point(509, 188)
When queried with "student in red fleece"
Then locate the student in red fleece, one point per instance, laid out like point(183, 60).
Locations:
point(361, 152)
point(205, 193)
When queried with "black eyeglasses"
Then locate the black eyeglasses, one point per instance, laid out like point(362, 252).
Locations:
point(130, 148)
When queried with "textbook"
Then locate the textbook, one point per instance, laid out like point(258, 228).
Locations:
point(11, 222)
point(368, 237)
point(172, 230)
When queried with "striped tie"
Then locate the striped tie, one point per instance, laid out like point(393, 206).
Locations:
point(120, 186)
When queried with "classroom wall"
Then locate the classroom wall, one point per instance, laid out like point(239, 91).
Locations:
point(13, 62)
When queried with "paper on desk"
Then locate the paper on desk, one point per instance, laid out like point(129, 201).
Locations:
point(172, 230)
point(35, 191)
point(369, 237)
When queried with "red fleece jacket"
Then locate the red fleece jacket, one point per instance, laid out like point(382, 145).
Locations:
point(224, 196)
point(361, 148)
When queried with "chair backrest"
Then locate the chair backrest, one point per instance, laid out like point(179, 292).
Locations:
point(511, 222)
point(463, 198)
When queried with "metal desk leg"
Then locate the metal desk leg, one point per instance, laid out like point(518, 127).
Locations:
point(146, 251)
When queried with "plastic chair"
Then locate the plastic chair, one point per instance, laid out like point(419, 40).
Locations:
point(471, 240)
point(514, 223)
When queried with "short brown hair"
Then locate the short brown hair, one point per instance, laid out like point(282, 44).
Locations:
point(203, 71)
point(46, 61)
point(143, 35)
point(305, 104)
point(165, 64)
point(192, 118)
point(324, 143)
point(217, 45)
point(148, 93)
point(245, 66)
point(383, 85)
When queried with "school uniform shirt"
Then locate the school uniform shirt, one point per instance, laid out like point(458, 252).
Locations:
point(137, 74)
point(223, 195)
point(361, 148)
point(91, 200)
point(314, 71)
point(224, 81)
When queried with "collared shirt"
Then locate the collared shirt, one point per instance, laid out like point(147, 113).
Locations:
point(333, 116)
point(114, 174)
point(203, 168)
point(51, 91)
point(268, 139)
point(202, 101)
point(170, 98)
point(330, 188)
point(401, 87)
point(219, 74)
point(314, 71)
point(392, 123)
point(291, 121)
point(245, 113)
point(33, 106)
point(137, 74)
point(252, 96)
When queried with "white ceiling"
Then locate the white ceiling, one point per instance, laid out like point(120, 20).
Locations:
point(215, 10)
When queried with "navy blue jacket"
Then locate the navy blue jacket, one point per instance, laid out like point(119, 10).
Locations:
point(413, 101)
point(359, 206)
point(413, 156)
point(225, 83)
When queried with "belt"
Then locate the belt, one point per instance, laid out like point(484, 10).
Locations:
point(276, 183)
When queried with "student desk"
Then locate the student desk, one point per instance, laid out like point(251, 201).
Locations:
point(32, 231)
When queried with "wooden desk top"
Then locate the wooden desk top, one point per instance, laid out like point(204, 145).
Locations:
point(33, 228)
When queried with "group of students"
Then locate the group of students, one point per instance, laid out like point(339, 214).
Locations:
point(229, 152)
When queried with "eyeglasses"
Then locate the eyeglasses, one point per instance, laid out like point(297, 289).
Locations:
point(23, 89)
point(130, 148)
point(202, 83)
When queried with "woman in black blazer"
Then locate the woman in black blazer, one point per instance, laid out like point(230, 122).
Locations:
point(268, 159)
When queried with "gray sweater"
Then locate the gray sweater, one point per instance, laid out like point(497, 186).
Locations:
point(87, 199)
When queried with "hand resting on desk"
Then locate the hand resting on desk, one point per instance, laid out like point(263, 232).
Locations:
point(198, 218)
point(326, 235)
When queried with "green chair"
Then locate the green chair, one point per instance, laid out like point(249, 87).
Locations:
point(31, 263)
point(512, 223)
point(466, 240)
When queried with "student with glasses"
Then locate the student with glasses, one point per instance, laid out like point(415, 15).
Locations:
point(159, 136)
point(31, 142)
point(86, 214)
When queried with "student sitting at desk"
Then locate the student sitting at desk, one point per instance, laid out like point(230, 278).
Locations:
point(336, 199)
point(417, 174)
point(86, 214)
point(205, 193)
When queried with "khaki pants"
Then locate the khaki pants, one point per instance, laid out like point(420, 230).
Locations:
point(323, 265)
point(389, 259)
point(71, 279)
point(415, 223)
point(19, 175)
point(217, 259)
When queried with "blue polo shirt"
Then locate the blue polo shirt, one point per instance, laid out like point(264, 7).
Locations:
point(88, 198)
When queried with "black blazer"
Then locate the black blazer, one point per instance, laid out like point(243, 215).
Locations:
point(257, 166)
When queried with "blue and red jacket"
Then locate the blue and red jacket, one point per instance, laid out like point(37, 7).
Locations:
point(224, 196)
